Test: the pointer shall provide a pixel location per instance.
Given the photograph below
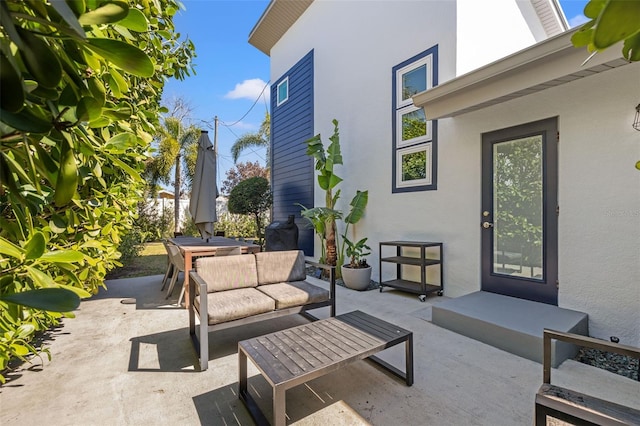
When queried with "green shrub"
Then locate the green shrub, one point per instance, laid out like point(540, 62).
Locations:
point(237, 225)
point(80, 103)
point(252, 197)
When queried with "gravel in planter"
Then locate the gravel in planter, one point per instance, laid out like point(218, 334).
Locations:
point(619, 364)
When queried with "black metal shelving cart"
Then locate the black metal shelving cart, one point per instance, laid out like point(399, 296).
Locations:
point(421, 288)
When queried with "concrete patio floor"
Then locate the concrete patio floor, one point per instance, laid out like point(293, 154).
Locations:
point(133, 364)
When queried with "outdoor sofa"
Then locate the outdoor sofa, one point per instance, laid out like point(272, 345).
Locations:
point(229, 291)
point(575, 407)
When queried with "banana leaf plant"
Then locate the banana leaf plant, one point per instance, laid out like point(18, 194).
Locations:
point(318, 217)
point(327, 180)
point(358, 205)
point(324, 218)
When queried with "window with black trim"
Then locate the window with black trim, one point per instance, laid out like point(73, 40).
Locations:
point(414, 137)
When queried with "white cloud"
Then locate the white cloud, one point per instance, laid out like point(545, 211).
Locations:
point(578, 20)
point(249, 89)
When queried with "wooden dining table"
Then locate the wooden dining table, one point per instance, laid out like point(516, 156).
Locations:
point(192, 247)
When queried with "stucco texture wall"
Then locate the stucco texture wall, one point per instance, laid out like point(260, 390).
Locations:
point(599, 191)
point(355, 49)
point(486, 34)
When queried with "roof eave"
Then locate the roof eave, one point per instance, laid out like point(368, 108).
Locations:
point(275, 21)
point(549, 63)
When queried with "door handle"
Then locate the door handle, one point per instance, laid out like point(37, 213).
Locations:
point(487, 225)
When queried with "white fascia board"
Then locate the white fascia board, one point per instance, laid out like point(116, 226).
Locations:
point(548, 61)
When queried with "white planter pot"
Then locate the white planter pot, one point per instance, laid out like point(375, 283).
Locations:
point(356, 278)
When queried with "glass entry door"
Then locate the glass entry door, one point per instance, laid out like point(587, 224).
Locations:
point(518, 217)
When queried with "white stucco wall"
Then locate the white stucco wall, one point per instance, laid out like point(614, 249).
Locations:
point(488, 31)
point(355, 49)
point(599, 193)
point(354, 55)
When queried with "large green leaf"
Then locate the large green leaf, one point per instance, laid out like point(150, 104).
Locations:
point(358, 205)
point(120, 81)
point(328, 181)
point(316, 150)
point(584, 35)
point(40, 59)
point(106, 14)
point(64, 10)
point(47, 299)
point(121, 141)
point(82, 293)
point(631, 48)
point(135, 21)
point(123, 55)
point(26, 121)
point(10, 249)
point(12, 94)
point(89, 109)
point(593, 8)
point(42, 279)
point(62, 256)
point(35, 246)
point(618, 20)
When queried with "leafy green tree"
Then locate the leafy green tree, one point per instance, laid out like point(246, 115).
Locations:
point(260, 139)
point(81, 85)
point(252, 197)
point(612, 21)
point(518, 185)
point(413, 125)
point(177, 146)
point(240, 172)
point(414, 166)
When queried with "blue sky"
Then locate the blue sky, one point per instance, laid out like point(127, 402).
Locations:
point(230, 73)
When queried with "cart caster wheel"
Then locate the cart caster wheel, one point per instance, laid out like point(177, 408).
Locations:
point(423, 297)
point(440, 293)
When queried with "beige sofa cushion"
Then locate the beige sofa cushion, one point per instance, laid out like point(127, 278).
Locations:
point(224, 306)
point(295, 293)
point(280, 266)
point(228, 272)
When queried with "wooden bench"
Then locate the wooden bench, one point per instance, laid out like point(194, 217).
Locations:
point(576, 407)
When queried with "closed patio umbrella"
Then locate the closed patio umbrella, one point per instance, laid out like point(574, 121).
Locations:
point(204, 191)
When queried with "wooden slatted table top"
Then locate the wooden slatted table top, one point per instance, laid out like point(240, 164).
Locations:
point(290, 357)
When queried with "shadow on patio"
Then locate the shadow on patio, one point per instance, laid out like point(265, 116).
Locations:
point(94, 375)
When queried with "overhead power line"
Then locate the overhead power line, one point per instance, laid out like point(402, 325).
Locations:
point(247, 113)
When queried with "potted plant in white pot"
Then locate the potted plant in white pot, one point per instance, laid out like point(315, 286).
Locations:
point(357, 273)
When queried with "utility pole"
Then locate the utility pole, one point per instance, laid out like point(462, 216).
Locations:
point(215, 153)
point(215, 137)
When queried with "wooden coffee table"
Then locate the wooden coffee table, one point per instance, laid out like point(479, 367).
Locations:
point(294, 356)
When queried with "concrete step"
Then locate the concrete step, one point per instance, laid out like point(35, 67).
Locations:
point(511, 324)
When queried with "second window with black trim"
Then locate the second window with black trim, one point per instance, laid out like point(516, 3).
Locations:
point(414, 137)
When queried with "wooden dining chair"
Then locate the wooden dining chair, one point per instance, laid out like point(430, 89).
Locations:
point(177, 260)
point(169, 271)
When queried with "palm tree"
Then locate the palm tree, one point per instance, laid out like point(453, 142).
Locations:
point(177, 144)
point(259, 139)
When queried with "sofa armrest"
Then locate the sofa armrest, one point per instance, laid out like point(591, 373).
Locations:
point(580, 340)
point(332, 282)
point(197, 283)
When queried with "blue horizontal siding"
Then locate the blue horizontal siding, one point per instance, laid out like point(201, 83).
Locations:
point(291, 169)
